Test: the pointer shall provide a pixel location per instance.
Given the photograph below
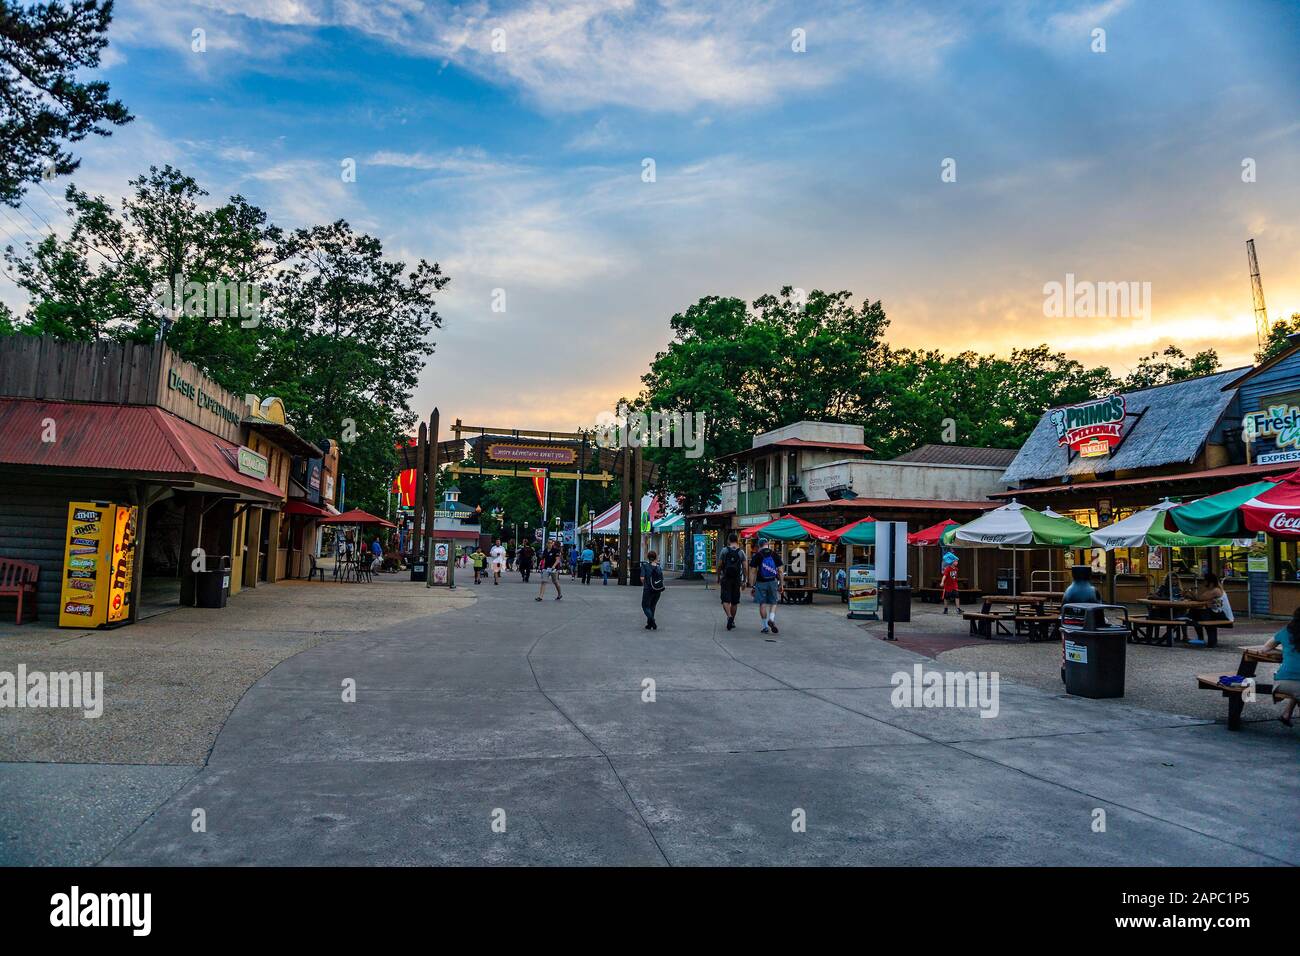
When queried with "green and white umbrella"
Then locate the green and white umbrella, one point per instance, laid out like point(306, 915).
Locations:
point(1016, 526)
point(1146, 529)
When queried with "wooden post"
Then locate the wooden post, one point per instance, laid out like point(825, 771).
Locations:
point(417, 536)
point(625, 460)
point(638, 538)
point(431, 504)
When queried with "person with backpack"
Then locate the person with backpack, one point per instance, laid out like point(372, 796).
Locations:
point(731, 570)
point(552, 563)
point(766, 583)
point(652, 588)
point(524, 561)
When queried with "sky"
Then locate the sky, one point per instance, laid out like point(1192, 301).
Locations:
point(947, 159)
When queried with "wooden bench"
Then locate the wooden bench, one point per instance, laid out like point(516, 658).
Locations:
point(1250, 659)
point(801, 594)
point(1144, 630)
point(983, 625)
point(1211, 630)
point(18, 579)
point(1039, 627)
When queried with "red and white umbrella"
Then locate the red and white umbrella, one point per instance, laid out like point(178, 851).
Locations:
point(1275, 510)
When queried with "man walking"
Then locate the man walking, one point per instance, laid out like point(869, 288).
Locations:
point(524, 561)
point(766, 583)
point(552, 562)
point(584, 564)
point(652, 589)
point(731, 571)
point(497, 558)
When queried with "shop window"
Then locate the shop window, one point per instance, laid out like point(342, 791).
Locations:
point(1130, 560)
point(1287, 564)
point(1232, 562)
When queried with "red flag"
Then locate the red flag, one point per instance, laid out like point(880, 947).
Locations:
point(539, 485)
point(404, 485)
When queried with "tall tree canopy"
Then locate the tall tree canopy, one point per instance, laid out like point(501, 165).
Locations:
point(43, 105)
point(339, 331)
point(752, 368)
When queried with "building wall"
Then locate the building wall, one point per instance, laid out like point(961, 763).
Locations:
point(902, 479)
point(813, 431)
point(33, 522)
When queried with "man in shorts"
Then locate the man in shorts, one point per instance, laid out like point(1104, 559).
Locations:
point(497, 560)
point(766, 583)
point(731, 572)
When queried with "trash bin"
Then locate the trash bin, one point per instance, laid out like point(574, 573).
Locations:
point(896, 603)
point(212, 585)
point(419, 570)
point(1094, 639)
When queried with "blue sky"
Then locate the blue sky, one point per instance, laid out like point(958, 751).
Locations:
point(521, 169)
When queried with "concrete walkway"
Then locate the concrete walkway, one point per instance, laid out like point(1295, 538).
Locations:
point(535, 716)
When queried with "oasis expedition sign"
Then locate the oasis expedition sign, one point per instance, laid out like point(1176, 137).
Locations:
point(202, 397)
point(1093, 429)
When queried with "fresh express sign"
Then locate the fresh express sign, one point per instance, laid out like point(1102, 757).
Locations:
point(1093, 429)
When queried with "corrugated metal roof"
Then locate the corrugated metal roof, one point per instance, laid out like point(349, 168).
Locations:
point(1164, 425)
point(899, 504)
point(798, 443)
point(961, 455)
point(121, 438)
point(1236, 474)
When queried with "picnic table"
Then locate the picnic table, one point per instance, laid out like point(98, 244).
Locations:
point(1026, 615)
point(1237, 692)
point(1163, 620)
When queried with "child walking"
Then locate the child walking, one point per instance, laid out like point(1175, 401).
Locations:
point(652, 587)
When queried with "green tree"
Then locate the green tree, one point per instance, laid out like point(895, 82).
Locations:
point(1279, 337)
point(345, 333)
point(1171, 365)
point(120, 269)
point(43, 105)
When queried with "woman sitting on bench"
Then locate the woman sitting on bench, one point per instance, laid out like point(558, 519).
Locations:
point(1286, 679)
point(1217, 607)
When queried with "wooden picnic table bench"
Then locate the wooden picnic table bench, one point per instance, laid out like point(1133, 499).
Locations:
point(983, 624)
point(797, 594)
point(1039, 627)
point(1237, 694)
point(18, 579)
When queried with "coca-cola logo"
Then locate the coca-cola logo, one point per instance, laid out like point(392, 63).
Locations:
point(1284, 522)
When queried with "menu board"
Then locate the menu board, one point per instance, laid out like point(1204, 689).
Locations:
point(864, 595)
point(83, 600)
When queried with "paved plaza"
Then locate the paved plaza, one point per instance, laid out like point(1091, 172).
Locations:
point(503, 731)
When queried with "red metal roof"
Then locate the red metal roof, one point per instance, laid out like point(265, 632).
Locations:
point(121, 438)
point(1227, 471)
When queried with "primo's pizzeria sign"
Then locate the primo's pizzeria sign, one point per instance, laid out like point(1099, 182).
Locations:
point(1093, 429)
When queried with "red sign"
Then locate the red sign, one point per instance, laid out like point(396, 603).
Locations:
point(1089, 426)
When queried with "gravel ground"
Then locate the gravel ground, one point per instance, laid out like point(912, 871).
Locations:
point(171, 681)
point(1156, 678)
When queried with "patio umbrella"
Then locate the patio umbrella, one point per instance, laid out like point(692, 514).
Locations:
point(1223, 515)
point(861, 533)
point(789, 528)
point(931, 536)
point(1146, 529)
point(358, 517)
point(1015, 525)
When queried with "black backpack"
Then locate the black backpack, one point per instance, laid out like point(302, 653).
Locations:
point(733, 562)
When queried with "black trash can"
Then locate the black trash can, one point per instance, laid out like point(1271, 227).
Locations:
point(419, 570)
point(896, 603)
point(212, 585)
point(1094, 640)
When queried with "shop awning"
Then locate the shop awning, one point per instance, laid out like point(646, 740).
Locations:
point(788, 528)
point(357, 516)
point(132, 440)
point(296, 507)
point(673, 523)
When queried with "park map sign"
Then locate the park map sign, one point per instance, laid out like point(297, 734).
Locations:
point(1092, 429)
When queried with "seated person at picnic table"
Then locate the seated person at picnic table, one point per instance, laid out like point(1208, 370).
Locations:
point(1287, 676)
point(1217, 607)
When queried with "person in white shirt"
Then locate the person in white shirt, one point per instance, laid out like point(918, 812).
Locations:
point(497, 558)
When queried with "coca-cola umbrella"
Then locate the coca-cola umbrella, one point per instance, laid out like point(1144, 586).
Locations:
point(1225, 515)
